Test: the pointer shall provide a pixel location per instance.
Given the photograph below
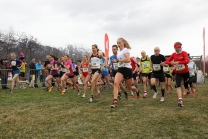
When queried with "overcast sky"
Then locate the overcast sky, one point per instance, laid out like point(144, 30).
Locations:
point(143, 23)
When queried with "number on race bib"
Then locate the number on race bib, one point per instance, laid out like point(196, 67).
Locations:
point(145, 65)
point(156, 67)
point(115, 66)
point(165, 69)
point(95, 63)
point(85, 69)
point(180, 67)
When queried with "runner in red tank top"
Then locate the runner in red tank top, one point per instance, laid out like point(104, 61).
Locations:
point(85, 76)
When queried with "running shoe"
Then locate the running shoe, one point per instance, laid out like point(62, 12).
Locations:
point(162, 98)
point(155, 95)
point(46, 88)
point(145, 95)
point(138, 94)
point(10, 92)
point(193, 90)
point(114, 104)
point(186, 94)
point(78, 93)
point(90, 100)
point(180, 103)
point(83, 96)
point(63, 92)
point(126, 95)
point(131, 96)
point(50, 89)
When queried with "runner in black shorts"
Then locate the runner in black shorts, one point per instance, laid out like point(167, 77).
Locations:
point(124, 70)
point(157, 63)
point(95, 68)
point(114, 67)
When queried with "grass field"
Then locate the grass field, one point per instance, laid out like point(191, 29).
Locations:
point(34, 113)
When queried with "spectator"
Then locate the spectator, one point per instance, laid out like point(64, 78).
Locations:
point(39, 68)
point(32, 73)
point(4, 73)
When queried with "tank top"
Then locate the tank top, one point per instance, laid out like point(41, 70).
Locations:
point(102, 62)
point(22, 67)
point(84, 67)
point(95, 61)
point(145, 65)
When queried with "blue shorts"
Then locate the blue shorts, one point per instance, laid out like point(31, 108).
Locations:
point(104, 73)
point(16, 72)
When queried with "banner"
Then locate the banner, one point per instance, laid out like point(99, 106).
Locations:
point(204, 50)
point(106, 44)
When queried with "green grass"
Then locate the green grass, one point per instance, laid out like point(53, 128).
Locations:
point(34, 113)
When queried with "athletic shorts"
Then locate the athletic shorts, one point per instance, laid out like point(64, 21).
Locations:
point(96, 70)
point(135, 76)
point(71, 76)
point(195, 78)
point(104, 74)
point(146, 75)
point(173, 73)
point(114, 73)
point(16, 72)
point(76, 73)
point(168, 75)
point(192, 79)
point(56, 76)
point(61, 73)
point(126, 72)
point(179, 77)
point(159, 76)
point(22, 74)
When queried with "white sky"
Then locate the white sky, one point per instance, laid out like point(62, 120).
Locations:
point(143, 23)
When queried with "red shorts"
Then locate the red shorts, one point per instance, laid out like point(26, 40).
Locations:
point(85, 74)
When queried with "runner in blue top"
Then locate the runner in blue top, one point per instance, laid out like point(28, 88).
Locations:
point(114, 67)
point(16, 66)
point(104, 71)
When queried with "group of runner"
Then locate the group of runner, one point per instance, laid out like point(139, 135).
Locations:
point(95, 70)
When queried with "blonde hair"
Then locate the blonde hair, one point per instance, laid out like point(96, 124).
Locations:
point(126, 44)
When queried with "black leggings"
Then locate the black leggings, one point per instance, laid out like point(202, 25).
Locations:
point(185, 77)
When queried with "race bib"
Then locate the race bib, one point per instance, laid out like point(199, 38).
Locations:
point(165, 69)
point(191, 73)
point(65, 70)
point(13, 63)
point(145, 65)
point(115, 66)
point(120, 64)
point(73, 69)
point(180, 67)
point(85, 69)
point(95, 63)
point(156, 67)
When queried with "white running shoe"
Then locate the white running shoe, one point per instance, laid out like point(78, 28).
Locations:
point(155, 95)
point(162, 99)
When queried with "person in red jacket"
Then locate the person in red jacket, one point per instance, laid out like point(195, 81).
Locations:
point(134, 72)
point(180, 61)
